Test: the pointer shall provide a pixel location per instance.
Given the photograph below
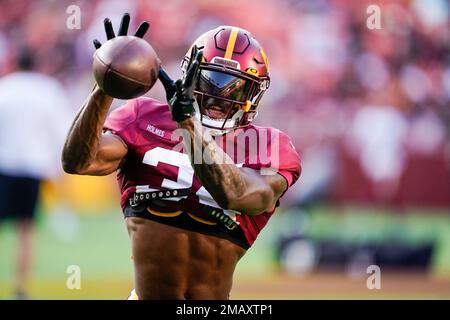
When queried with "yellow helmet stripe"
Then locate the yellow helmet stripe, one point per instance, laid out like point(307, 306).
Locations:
point(231, 43)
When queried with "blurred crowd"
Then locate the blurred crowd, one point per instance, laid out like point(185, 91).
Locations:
point(361, 105)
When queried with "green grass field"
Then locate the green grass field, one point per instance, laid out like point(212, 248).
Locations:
point(99, 245)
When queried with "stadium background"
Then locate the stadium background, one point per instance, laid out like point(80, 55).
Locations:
point(367, 109)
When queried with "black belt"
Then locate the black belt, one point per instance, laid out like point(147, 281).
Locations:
point(138, 199)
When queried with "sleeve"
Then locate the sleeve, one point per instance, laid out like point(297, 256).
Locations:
point(120, 119)
point(288, 163)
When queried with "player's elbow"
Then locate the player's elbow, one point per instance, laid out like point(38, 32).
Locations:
point(71, 168)
point(71, 164)
point(67, 162)
point(68, 167)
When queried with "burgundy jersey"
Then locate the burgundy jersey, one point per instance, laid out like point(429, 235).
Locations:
point(157, 160)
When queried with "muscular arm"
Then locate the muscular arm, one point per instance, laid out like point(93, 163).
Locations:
point(88, 151)
point(241, 189)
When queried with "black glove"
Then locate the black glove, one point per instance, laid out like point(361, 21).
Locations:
point(180, 94)
point(140, 32)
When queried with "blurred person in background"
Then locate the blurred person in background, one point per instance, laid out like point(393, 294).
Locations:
point(378, 136)
point(32, 129)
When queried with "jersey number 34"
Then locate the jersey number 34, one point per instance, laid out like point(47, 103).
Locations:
point(185, 176)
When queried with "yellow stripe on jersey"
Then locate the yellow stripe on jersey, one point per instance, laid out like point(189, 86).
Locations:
point(164, 214)
point(231, 43)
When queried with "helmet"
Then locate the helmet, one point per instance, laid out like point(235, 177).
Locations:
point(233, 76)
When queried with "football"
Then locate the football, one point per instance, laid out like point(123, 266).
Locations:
point(126, 67)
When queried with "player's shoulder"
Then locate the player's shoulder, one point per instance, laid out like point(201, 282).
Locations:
point(155, 112)
point(283, 152)
point(149, 109)
point(135, 109)
point(141, 106)
point(274, 135)
point(149, 105)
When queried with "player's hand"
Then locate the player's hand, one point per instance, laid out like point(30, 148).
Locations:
point(123, 29)
point(180, 94)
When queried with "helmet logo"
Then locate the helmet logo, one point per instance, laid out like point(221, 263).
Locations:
point(227, 62)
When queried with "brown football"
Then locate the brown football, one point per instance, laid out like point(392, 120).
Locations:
point(126, 67)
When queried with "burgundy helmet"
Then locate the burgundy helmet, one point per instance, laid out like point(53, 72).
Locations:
point(233, 77)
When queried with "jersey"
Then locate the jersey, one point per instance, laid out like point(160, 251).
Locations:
point(157, 160)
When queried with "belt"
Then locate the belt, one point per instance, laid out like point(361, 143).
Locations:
point(138, 199)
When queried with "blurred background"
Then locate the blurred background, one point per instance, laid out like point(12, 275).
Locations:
point(368, 110)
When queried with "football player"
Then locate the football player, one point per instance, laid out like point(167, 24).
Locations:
point(198, 180)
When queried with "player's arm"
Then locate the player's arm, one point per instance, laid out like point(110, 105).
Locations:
point(87, 150)
point(241, 189)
